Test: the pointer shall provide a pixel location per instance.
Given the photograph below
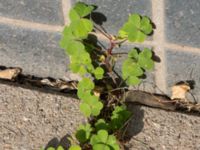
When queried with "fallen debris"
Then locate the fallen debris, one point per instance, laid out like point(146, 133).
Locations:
point(10, 73)
point(177, 101)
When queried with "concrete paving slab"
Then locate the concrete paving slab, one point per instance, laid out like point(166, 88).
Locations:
point(183, 22)
point(37, 52)
point(29, 119)
point(45, 11)
point(182, 66)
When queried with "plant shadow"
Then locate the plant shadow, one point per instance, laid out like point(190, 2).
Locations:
point(136, 124)
point(54, 142)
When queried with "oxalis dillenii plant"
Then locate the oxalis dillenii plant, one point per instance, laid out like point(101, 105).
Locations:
point(100, 89)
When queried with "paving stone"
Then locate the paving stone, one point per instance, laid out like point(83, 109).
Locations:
point(117, 11)
point(29, 118)
point(42, 11)
point(182, 66)
point(37, 52)
point(183, 22)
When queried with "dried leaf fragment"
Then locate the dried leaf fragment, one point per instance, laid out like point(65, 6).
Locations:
point(10, 73)
point(179, 91)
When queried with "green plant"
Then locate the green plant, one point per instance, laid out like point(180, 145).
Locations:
point(101, 87)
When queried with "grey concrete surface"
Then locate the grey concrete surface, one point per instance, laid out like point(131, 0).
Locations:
point(183, 22)
point(182, 66)
point(37, 52)
point(45, 11)
point(156, 129)
point(29, 119)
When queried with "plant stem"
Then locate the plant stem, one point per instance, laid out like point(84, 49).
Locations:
point(102, 32)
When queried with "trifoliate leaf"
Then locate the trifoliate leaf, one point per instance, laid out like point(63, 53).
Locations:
point(130, 68)
point(146, 26)
point(98, 72)
point(60, 148)
point(103, 135)
point(66, 38)
point(133, 54)
point(145, 63)
point(83, 9)
point(119, 117)
point(74, 67)
point(102, 138)
point(74, 47)
point(140, 37)
point(86, 84)
point(83, 133)
point(113, 141)
point(101, 124)
point(96, 109)
point(75, 147)
point(51, 148)
point(85, 109)
point(133, 80)
point(81, 28)
point(147, 53)
point(101, 147)
point(85, 58)
point(136, 29)
point(133, 34)
point(82, 70)
point(73, 15)
point(135, 19)
point(95, 139)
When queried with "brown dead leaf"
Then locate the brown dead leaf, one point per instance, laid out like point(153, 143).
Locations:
point(10, 74)
point(179, 91)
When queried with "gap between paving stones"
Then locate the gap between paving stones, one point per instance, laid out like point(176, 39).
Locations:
point(154, 100)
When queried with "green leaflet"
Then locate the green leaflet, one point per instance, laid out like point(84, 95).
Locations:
point(103, 140)
point(135, 65)
point(83, 132)
point(136, 28)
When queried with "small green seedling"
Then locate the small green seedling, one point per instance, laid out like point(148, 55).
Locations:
point(101, 101)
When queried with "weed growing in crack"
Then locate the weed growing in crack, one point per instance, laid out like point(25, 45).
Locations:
point(101, 89)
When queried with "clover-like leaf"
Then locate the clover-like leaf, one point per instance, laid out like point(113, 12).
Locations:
point(119, 117)
point(101, 147)
point(74, 47)
point(136, 28)
point(96, 109)
point(133, 54)
point(75, 147)
point(86, 84)
point(60, 148)
point(103, 140)
point(83, 133)
point(145, 59)
point(133, 80)
point(130, 68)
point(146, 25)
point(98, 72)
point(135, 19)
point(51, 148)
point(73, 15)
point(81, 28)
point(146, 53)
point(83, 9)
point(101, 124)
point(85, 109)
